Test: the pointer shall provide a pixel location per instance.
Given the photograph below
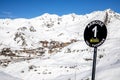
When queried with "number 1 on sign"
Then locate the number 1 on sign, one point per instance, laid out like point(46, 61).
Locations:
point(95, 31)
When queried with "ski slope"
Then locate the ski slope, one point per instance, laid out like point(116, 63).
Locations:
point(73, 62)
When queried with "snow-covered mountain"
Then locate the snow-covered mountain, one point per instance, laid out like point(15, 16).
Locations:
point(51, 47)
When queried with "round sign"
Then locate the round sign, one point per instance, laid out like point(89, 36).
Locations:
point(95, 33)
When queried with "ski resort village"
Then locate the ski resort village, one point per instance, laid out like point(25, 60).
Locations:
point(52, 47)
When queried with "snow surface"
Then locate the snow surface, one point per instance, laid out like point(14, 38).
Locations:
point(4, 76)
point(73, 62)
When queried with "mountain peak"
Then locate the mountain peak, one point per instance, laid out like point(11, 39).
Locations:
point(109, 11)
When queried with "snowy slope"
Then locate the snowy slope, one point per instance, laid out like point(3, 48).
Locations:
point(50, 27)
point(73, 62)
point(4, 76)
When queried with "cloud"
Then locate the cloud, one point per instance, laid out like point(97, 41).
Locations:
point(6, 14)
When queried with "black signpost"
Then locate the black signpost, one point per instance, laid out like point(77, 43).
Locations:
point(94, 35)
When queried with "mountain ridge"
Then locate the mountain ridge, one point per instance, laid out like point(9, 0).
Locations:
point(53, 48)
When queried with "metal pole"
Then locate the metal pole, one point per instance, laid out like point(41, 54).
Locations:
point(94, 63)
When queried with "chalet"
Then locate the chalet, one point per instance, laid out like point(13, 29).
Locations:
point(40, 50)
point(65, 44)
point(55, 44)
point(44, 43)
point(73, 40)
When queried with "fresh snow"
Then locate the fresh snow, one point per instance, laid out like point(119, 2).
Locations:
point(73, 62)
point(4, 76)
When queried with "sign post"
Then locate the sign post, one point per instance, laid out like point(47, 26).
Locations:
point(94, 35)
point(94, 63)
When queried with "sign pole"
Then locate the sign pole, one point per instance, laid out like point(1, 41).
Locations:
point(94, 63)
point(94, 35)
